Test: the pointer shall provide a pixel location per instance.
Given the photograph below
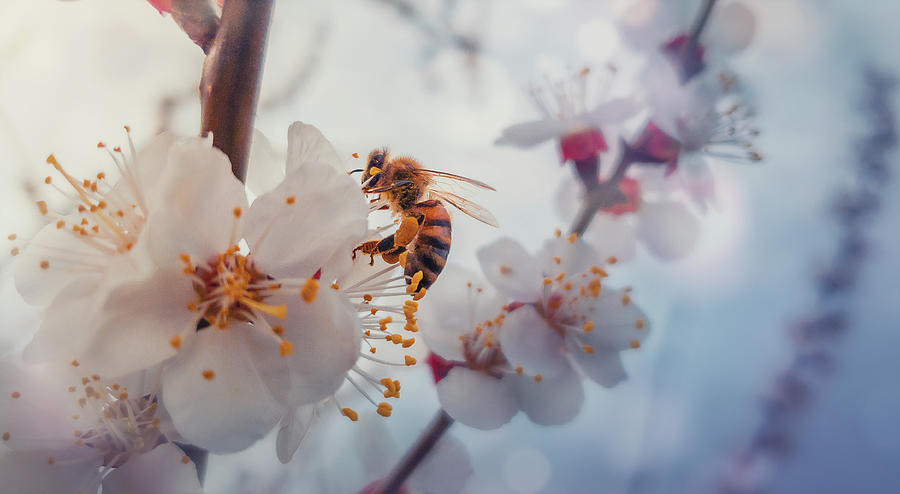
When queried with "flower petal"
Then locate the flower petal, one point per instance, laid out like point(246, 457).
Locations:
point(293, 429)
point(55, 258)
point(476, 399)
point(574, 255)
point(201, 202)
point(668, 229)
point(138, 322)
point(316, 213)
point(306, 144)
point(264, 170)
point(35, 407)
point(69, 323)
point(612, 236)
point(731, 29)
point(552, 401)
point(603, 366)
point(529, 134)
point(30, 472)
point(610, 112)
point(527, 340)
point(160, 470)
point(511, 269)
point(219, 391)
point(325, 339)
point(456, 303)
point(617, 321)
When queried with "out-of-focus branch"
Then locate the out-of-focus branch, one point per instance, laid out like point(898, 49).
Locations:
point(429, 438)
point(815, 334)
point(604, 195)
point(304, 71)
point(416, 17)
point(229, 87)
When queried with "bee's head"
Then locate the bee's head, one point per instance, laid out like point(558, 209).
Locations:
point(374, 167)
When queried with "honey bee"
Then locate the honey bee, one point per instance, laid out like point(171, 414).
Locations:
point(416, 197)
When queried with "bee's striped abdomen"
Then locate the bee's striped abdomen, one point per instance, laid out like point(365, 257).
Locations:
point(429, 250)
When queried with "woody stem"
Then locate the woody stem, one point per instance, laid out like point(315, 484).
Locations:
point(426, 442)
point(229, 87)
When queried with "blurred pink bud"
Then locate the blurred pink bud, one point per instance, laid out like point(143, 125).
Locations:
point(582, 145)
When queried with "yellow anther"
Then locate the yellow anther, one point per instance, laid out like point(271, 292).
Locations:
point(45, 264)
point(402, 258)
point(355, 155)
point(74, 363)
point(11, 236)
point(414, 282)
point(420, 294)
point(638, 324)
point(14, 251)
point(408, 342)
point(60, 224)
point(384, 409)
point(385, 321)
point(286, 348)
point(42, 207)
point(597, 270)
point(557, 233)
point(373, 310)
point(208, 374)
point(335, 286)
point(409, 360)
point(560, 276)
point(236, 212)
point(185, 459)
point(279, 330)
point(547, 281)
point(290, 200)
point(16, 395)
point(367, 297)
point(612, 260)
point(350, 414)
point(310, 290)
point(394, 338)
point(587, 348)
point(519, 369)
point(588, 326)
point(557, 260)
point(625, 299)
point(572, 238)
point(538, 378)
point(411, 327)
point(505, 270)
point(175, 341)
point(634, 344)
point(372, 350)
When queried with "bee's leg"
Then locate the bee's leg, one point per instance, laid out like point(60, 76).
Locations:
point(370, 247)
point(393, 256)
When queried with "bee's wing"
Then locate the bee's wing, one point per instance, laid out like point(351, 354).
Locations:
point(449, 177)
point(466, 206)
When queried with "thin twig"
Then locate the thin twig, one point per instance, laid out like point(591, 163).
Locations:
point(401, 472)
point(229, 88)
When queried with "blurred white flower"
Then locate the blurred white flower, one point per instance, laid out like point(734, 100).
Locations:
point(465, 324)
point(691, 123)
point(569, 117)
point(666, 227)
point(650, 25)
point(65, 433)
point(568, 316)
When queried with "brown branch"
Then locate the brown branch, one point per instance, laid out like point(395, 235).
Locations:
point(401, 472)
point(604, 195)
point(229, 88)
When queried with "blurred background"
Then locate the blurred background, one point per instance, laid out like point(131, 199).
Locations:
point(439, 80)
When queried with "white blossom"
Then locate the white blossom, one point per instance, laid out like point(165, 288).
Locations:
point(66, 431)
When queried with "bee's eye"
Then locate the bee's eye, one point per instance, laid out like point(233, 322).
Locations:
point(376, 160)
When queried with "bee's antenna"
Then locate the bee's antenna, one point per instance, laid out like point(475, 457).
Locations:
point(351, 172)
